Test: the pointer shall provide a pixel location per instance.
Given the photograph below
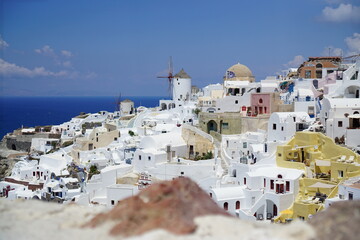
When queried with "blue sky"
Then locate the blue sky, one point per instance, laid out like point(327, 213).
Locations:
point(102, 48)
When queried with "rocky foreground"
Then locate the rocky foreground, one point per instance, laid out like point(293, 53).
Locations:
point(176, 209)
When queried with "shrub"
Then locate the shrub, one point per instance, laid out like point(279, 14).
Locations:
point(67, 143)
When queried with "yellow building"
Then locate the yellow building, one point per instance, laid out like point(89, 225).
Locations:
point(325, 166)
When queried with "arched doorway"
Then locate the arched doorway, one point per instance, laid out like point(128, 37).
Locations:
point(163, 106)
point(211, 126)
point(271, 209)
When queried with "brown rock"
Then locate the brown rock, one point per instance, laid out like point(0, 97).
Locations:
point(170, 205)
point(340, 221)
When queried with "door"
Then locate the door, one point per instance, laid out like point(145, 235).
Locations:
point(275, 210)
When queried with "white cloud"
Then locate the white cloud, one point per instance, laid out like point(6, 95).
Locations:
point(66, 53)
point(67, 64)
point(296, 62)
point(353, 44)
point(334, 1)
point(344, 13)
point(12, 70)
point(90, 75)
point(46, 50)
point(3, 44)
point(332, 51)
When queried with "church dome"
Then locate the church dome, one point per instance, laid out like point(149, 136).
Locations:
point(239, 72)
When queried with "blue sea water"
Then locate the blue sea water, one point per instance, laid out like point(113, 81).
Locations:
point(40, 111)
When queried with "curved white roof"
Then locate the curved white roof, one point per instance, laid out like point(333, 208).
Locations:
point(226, 193)
point(162, 140)
point(273, 172)
point(282, 116)
point(342, 102)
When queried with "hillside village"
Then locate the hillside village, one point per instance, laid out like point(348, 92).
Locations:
point(278, 149)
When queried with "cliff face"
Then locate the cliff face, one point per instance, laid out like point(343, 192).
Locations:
point(6, 166)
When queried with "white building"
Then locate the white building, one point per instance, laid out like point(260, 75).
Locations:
point(181, 91)
point(127, 107)
point(118, 192)
point(341, 116)
point(43, 144)
point(259, 194)
point(159, 148)
point(348, 191)
point(283, 125)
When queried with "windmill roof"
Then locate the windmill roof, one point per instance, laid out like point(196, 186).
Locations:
point(182, 74)
point(127, 100)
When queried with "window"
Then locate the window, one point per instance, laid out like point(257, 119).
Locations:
point(355, 76)
point(318, 73)
point(351, 196)
point(237, 205)
point(149, 158)
point(340, 173)
point(319, 65)
point(225, 125)
point(282, 128)
point(279, 154)
point(264, 182)
point(244, 180)
point(244, 144)
point(139, 157)
point(112, 202)
point(279, 176)
point(260, 101)
point(236, 101)
point(308, 74)
point(287, 186)
point(271, 184)
point(274, 126)
point(211, 195)
point(226, 206)
point(340, 124)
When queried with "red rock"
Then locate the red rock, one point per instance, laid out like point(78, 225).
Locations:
point(170, 205)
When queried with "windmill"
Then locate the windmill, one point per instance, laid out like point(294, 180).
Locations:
point(169, 77)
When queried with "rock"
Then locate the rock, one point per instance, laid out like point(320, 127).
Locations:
point(37, 220)
point(169, 205)
point(6, 166)
point(340, 221)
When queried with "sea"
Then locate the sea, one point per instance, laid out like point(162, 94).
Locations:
point(17, 112)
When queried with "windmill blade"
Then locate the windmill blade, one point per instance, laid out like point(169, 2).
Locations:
point(170, 67)
point(169, 76)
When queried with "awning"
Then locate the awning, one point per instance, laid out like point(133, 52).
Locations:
point(322, 163)
point(322, 185)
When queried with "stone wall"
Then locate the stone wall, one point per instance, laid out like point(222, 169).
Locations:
point(232, 123)
point(23, 142)
point(226, 123)
point(196, 144)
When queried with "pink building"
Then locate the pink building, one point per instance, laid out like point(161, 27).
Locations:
point(264, 103)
